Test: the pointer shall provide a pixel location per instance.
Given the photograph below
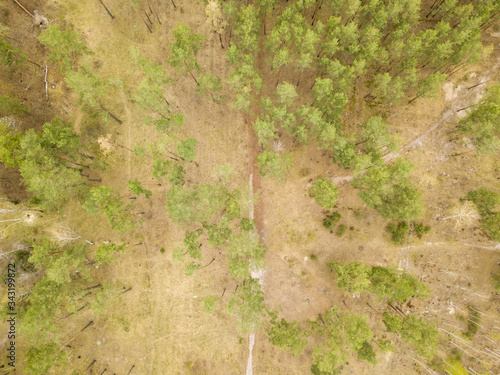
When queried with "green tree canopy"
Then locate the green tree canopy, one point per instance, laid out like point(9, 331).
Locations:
point(287, 335)
point(387, 189)
point(248, 305)
point(324, 192)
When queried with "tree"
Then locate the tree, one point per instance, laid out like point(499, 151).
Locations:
point(9, 145)
point(184, 50)
point(49, 163)
point(397, 286)
point(65, 46)
point(104, 297)
point(102, 199)
point(245, 248)
point(339, 332)
point(354, 277)
point(8, 53)
point(218, 234)
point(59, 265)
point(210, 85)
point(482, 124)
point(376, 136)
point(389, 89)
point(487, 203)
point(387, 189)
point(430, 85)
point(11, 106)
point(244, 79)
point(187, 149)
point(176, 175)
point(247, 303)
point(210, 303)
point(273, 164)
point(324, 192)
point(485, 200)
point(40, 358)
point(150, 95)
point(418, 331)
point(202, 203)
point(105, 251)
point(286, 335)
point(91, 90)
point(136, 187)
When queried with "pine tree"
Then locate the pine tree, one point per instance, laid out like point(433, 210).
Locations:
point(287, 335)
point(103, 200)
point(65, 46)
point(387, 189)
point(421, 333)
point(49, 163)
point(248, 305)
point(187, 149)
point(184, 50)
point(9, 146)
point(135, 187)
point(40, 358)
point(324, 192)
point(90, 89)
point(354, 277)
point(105, 252)
point(274, 165)
point(11, 106)
point(482, 125)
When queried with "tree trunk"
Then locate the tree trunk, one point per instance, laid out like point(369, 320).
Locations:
point(189, 70)
point(75, 336)
point(107, 10)
point(109, 113)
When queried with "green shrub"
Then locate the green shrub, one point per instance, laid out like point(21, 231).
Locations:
point(487, 203)
point(353, 277)
point(330, 220)
point(398, 231)
point(324, 192)
point(421, 229)
point(492, 225)
point(366, 353)
point(472, 323)
point(385, 345)
point(484, 199)
point(341, 230)
point(496, 280)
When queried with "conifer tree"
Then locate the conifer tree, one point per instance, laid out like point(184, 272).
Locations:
point(103, 200)
point(184, 50)
point(65, 46)
point(324, 192)
point(248, 305)
point(387, 189)
point(482, 125)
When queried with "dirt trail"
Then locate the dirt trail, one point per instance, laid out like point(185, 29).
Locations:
point(257, 213)
point(255, 178)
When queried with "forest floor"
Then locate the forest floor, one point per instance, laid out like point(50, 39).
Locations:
point(160, 326)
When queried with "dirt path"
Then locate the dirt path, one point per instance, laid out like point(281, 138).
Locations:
point(255, 178)
point(257, 213)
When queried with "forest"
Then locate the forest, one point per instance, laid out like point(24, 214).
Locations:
point(250, 187)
